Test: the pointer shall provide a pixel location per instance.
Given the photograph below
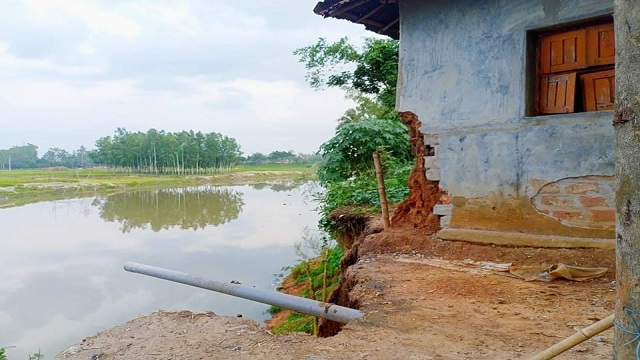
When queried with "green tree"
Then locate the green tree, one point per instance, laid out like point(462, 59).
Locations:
point(19, 157)
point(186, 152)
point(349, 152)
point(55, 157)
point(369, 75)
point(282, 156)
point(369, 72)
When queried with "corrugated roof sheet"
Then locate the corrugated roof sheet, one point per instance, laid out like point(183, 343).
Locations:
point(380, 16)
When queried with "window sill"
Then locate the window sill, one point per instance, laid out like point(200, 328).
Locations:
point(587, 115)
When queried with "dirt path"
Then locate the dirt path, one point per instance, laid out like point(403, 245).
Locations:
point(415, 310)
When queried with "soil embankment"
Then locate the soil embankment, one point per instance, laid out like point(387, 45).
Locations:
point(421, 300)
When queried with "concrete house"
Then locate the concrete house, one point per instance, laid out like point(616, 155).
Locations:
point(515, 100)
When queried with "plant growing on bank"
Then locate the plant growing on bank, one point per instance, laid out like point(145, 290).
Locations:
point(35, 356)
point(348, 153)
point(369, 75)
point(362, 192)
point(318, 273)
point(347, 171)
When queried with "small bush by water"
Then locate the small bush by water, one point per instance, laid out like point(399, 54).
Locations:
point(34, 356)
point(313, 278)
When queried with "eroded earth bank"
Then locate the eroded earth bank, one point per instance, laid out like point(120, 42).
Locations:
point(423, 300)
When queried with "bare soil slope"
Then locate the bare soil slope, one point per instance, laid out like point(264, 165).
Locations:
point(421, 303)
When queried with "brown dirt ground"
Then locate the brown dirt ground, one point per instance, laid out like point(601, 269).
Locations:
point(414, 311)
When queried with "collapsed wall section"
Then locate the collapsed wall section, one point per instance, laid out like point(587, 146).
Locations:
point(417, 210)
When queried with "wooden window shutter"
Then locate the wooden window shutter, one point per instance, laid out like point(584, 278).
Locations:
point(601, 45)
point(557, 93)
point(562, 52)
point(599, 90)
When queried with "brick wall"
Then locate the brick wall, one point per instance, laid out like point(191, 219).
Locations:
point(586, 202)
point(444, 208)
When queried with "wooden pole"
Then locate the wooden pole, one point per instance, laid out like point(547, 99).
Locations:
point(381, 191)
point(575, 339)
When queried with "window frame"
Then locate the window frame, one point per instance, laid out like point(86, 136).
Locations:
point(534, 69)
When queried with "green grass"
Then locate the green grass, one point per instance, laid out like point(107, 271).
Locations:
point(20, 187)
point(295, 322)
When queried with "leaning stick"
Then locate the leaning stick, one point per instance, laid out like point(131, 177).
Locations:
point(575, 339)
point(381, 191)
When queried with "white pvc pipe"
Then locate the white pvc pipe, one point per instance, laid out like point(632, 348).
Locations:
point(307, 306)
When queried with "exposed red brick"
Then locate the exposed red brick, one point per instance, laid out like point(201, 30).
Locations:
point(590, 201)
point(556, 201)
point(417, 209)
point(583, 188)
point(567, 214)
point(603, 215)
point(445, 199)
point(550, 189)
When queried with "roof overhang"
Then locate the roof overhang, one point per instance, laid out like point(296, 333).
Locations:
point(379, 16)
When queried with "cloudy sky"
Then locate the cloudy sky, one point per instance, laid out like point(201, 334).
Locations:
point(73, 71)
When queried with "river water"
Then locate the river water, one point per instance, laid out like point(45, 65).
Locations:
point(61, 262)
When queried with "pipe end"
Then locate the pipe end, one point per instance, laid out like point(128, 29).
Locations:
point(130, 266)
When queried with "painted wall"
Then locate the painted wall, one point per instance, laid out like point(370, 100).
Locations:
point(463, 71)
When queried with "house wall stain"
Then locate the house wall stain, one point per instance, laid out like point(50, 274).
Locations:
point(463, 72)
point(516, 214)
point(586, 202)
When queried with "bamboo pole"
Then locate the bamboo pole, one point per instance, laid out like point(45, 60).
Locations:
point(381, 191)
point(575, 339)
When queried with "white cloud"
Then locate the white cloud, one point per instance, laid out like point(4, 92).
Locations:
point(55, 94)
point(87, 49)
point(12, 66)
point(76, 70)
point(97, 18)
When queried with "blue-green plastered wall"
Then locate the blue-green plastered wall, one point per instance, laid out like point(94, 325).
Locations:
point(463, 72)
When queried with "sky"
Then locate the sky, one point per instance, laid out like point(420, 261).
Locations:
point(73, 71)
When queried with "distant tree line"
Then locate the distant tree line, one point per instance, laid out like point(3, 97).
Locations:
point(184, 152)
point(26, 157)
point(159, 152)
point(281, 157)
point(19, 157)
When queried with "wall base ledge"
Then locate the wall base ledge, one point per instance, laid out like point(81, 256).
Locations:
point(523, 239)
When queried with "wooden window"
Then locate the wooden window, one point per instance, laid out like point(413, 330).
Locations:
point(558, 93)
point(598, 90)
point(602, 45)
point(562, 52)
point(586, 53)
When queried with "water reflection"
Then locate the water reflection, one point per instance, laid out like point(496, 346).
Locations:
point(186, 208)
point(62, 276)
point(278, 186)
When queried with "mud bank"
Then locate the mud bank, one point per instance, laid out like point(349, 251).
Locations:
point(415, 310)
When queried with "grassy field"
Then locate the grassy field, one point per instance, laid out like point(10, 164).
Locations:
point(20, 187)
